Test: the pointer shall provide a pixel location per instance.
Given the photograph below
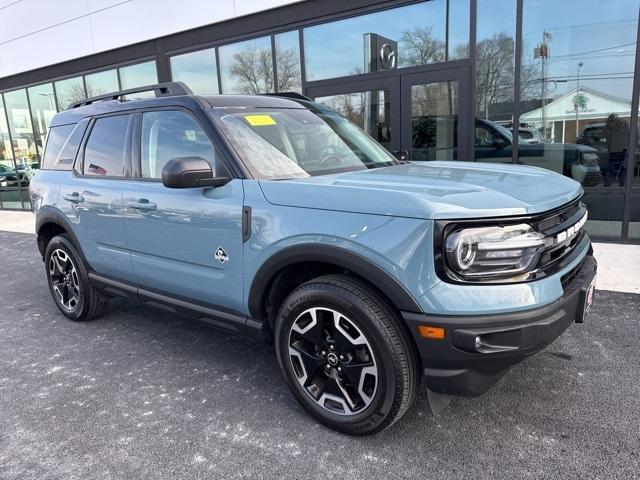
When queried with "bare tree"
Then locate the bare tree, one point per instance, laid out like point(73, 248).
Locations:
point(288, 66)
point(253, 68)
point(419, 47)
point(495, 73)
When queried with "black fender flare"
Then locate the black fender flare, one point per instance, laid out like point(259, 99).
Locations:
point(401, 298)
point(52, 216)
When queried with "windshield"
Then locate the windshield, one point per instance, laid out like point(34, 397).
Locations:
point(282, 143)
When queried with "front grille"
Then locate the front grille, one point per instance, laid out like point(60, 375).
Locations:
point(552, 224)
point(568, 277)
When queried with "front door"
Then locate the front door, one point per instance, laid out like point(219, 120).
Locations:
point(417, 116)
point(186, 242)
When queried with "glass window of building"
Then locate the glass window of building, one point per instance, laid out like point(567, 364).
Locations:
point(43, 108)
point(138, 75)
point(434, 113)
point(495, 47)
point(101, 82)
point(247, 67)
point(577, 79)
point(197, 70)
point(458, 15)
point(23, 139)
point(287, 46)
point(417, 32)
point(9, 197)
point(69, 91)
point(370, 110)
point(6, 154)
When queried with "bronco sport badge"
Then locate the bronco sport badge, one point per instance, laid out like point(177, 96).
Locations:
point(221, 255)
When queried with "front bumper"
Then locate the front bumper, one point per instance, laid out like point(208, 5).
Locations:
point(458, 365)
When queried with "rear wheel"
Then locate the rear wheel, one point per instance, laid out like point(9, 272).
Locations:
point(345, 356)
point(69, 283)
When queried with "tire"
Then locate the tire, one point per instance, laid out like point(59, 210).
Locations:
point(345, 355)
point(69, 283)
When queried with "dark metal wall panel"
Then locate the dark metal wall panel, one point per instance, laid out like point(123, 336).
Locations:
point(633, 141)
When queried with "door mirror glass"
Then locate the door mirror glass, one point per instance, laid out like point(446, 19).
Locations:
point(190, 172)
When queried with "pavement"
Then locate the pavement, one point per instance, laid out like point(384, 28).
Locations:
point(146, 394)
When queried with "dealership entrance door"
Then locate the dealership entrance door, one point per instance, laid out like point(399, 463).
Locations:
point(419, 115)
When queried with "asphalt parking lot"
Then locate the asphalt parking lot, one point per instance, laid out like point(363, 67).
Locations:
point(143, 394)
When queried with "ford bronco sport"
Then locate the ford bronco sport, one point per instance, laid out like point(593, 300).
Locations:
point(276, 218)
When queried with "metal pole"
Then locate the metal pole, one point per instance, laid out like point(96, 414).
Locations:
point(578, 100)
point(516, 82)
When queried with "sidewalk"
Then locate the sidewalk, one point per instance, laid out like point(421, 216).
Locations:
point(618, 264)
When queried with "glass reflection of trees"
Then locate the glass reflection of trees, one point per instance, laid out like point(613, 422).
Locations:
point(252, 69)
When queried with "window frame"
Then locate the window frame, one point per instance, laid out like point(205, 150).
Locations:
point(78, 165)
point(136, 142)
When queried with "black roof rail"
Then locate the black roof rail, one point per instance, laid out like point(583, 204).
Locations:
point(160, 89)
point(294, 95)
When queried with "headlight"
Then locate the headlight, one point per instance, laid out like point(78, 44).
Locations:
point(493, 253)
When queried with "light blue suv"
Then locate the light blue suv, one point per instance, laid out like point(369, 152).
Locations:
point(276, 218)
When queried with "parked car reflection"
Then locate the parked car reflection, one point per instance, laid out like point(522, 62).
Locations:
point(435, 138)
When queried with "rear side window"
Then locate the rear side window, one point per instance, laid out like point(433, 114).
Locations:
point(104, 152)
point(62, 146)
point(55, 141)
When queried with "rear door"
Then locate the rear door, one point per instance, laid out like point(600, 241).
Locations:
point(91, 198)
point(175, 235)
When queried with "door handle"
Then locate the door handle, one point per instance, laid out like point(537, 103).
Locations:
point(142, 204)
point(74, 197)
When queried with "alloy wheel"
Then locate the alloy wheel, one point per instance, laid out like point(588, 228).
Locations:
point(333, 361)
point(64, 279)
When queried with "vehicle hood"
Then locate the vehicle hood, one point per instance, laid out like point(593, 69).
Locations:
point(547, 148)
point(430, 190)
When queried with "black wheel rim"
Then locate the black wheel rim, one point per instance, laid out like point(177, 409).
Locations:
point(64, 280)
point(333, 361)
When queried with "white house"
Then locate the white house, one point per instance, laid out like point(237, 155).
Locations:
point(560, 114)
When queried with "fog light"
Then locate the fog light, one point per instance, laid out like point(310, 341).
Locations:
point(434, 333)
point(478, 342)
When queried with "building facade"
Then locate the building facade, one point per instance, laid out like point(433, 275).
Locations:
point(536, 82)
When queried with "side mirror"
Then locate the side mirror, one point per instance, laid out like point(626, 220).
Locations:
point(190, 172)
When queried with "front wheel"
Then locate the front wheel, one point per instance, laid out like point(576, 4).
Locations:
point(345, 355)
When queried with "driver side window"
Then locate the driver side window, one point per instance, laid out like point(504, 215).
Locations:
point(168, 134)
point(484, 137)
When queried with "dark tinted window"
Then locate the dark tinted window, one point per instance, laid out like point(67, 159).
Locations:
point(62, 145)
point(104, 153)
point(172, 134)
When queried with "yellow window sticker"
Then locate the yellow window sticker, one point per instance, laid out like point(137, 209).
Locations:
point(260, 120)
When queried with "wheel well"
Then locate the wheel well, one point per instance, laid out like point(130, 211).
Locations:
point(46, 233)
point(291, 277)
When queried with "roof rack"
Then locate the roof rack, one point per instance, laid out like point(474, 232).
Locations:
point(295, 95)
point(160, 89)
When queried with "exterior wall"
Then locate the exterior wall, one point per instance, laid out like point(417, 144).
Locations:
point(37, 33)
point(316, 47)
